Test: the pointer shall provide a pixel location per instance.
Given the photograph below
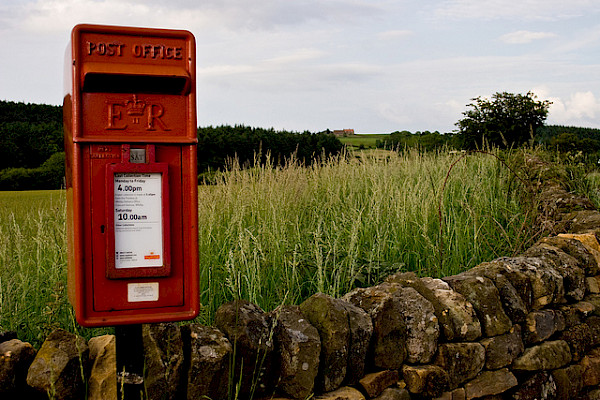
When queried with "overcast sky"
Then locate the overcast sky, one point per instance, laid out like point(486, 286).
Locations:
point(375, 66)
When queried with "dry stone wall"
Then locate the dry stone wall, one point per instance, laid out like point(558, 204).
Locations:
point(525, 327)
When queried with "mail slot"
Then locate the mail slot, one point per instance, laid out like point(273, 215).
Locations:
point(130, 141)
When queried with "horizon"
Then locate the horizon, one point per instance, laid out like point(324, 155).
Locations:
point(324, 130)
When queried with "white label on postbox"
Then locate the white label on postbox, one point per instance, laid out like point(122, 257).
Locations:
point(137, 292)
point(138, 220)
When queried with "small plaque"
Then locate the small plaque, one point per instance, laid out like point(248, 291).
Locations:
point(137, 292)
point(137, 156)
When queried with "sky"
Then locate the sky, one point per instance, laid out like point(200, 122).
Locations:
point(375, 66)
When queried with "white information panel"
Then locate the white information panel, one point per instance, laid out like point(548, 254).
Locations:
point(138, 220)
point(137, 292)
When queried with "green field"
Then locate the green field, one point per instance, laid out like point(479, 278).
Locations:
point(367, 141)
point(278, 235)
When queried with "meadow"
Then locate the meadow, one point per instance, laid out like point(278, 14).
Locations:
point(277, 235)
point(367, 141)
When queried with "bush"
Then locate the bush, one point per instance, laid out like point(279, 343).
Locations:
point(49, 175)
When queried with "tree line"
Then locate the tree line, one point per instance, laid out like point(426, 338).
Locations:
point(570, 138)
point(31, 139)
point(248, 145)
point(552, 137)
point(32, 146)
point(424, 141)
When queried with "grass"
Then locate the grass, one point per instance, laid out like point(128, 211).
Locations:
point(267, 234)
point(367, 141)
point(278, 235)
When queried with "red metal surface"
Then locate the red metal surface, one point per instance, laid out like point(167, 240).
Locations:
point(130, 88)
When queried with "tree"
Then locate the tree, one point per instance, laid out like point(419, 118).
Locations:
point(218, 144)
point(506, 120)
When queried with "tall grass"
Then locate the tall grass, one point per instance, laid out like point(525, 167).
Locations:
point(33, 263)
point(273, 233)
point(278, 235)
point(33, 266)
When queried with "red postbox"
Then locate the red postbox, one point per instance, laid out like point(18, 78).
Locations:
point(130, 143)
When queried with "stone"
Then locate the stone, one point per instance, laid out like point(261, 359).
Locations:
point(410, 279)
point(388, 343)
point(102, 383)
point(299, 347)
point(375, 383)
point(541, 324)
point(163, 357)
point(361, 330)
point(540, 386)
point(457, 317)
point(459, 394)
point(584, 308)
point(589, 240)
point(58, 366)
point(594, 300)
point(591, 285)
point(483, 295)
point(579, 338)
point(571, 245)
point(489, 383)
point(583, 221)
point(575, 313)
point(209, 353)
point(15, 358)
point(512, 302)
point(519, 279)
point(344, 393)
point(426, 380)
point(594, 323)
point(590, 368)
point(591, 394)
point(502, 350)
point(394, 394)
point(547, 285)
point(567, 266)
point(330, 318)
point(445, 396)
point(556, 201)
point(456, 394)
point(568, 381)
point(421, 326)
point(547, 355)
point(250, 332)
point(462, 361)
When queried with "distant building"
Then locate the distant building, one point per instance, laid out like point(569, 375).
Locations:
point(343, 132)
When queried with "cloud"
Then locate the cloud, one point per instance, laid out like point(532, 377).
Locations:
point(228, 15)
point(527, 10)
point(281, 75)
point(394, 34)
point(393, 113)
point(48, 16)
point(524, 37)
point(296, 56)
point(581, 106)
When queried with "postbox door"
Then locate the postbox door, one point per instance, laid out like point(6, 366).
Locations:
point(140, 287)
